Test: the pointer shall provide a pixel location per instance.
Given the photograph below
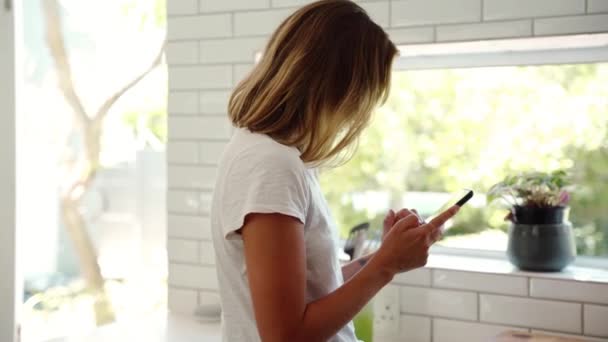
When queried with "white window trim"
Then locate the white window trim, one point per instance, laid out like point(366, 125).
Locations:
point(10, 282)
point(591, 48)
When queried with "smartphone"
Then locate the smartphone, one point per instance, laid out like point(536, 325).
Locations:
point(458, 198)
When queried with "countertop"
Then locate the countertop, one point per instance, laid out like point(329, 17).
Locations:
point(166, 327)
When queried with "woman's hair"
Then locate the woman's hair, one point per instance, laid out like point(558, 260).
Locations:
point(322, 74)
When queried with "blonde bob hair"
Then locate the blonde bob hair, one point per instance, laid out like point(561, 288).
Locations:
point(321, 75)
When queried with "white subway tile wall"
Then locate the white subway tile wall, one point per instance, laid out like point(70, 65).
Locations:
point(386, 312)
point(182, 202)
point(414, 329)
point(596, 320)
point(258, 23)
point(231, 5)
point(567, 25)
point(378, 11)
point(212, 45)
point(214, 102)
point(420, 277)
point(182, 152)
point(197, 177)
point(569, 290)
point(183, 102)
point(182, 301)
point(200, 77)
point(182, 53)
point(533, 313)
point(206, 297)
point(241, 50)
point(240, 71)
point(553, 333)
point(500, 9)
point(445, 330)
point(414, 35)
point(211, 151)
point(425, 301)
point(189, 227)
point(482, 282)
point(290, 3)
point(180, 250)
point(198, 27)
point(491, 30)
point(185, 128)
point(207, 253)
point(192, 276)
point(177, 7)
point(597, 6)
point(429, 12)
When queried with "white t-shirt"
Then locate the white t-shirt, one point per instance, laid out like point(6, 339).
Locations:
point(258, 175)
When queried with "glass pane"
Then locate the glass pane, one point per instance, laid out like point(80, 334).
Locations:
point(91, 164)
point(444, 130)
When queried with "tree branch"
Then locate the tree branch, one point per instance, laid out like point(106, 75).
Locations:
point(56, 44)
point(105, 107)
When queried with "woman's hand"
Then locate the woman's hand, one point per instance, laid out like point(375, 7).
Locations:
point(392, 218)
point(406, 244)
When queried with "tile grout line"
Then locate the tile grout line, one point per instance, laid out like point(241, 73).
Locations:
point(497, 294)
point(390, 14)
point(198, 251)
point(532, 21)
point(233, 24)
point(481, 8)
point(187, 288)
point(582, 318)
point(478, 307)
point(464, 320)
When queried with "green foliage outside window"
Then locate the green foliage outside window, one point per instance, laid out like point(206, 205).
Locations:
point(444, 130)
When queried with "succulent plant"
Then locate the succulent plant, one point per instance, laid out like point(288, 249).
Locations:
point(533, 189)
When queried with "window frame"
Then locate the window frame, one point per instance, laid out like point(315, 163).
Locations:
point(572, 49)
point(10, 283)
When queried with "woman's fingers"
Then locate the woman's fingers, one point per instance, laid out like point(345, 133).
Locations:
point(419, 217)
point(435, 234)
point(406, 212)
point(408, 222)
point(442, 218)
point(403, 213)
point(389, 219)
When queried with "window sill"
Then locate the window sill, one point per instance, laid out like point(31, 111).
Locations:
point(159, 327)
point(496, 263)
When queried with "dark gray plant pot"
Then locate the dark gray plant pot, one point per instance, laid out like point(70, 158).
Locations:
point(541, 247)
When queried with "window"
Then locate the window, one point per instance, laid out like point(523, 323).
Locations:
point(464, 116)
point(91, 181)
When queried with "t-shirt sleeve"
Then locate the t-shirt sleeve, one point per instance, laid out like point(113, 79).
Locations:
point(264, 184)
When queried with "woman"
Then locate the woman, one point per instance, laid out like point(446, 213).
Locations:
point(323, 72)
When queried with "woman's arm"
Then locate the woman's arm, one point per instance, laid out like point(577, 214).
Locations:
point(350, 269)
point(276, 267)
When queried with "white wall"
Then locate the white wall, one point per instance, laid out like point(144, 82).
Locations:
point(8, 291)
point(212, 45)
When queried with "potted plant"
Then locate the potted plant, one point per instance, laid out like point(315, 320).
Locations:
point(540, 235)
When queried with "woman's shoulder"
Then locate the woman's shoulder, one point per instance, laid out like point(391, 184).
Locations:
point(254, 150)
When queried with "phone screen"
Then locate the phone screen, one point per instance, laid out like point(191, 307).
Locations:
point(458, 198)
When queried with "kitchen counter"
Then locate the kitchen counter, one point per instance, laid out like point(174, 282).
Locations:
point(166, 327)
